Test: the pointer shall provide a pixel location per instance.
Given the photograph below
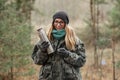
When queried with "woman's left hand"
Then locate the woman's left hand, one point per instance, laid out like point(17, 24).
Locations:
point(63, 52)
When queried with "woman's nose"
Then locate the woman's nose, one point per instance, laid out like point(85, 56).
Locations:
point(58, 24)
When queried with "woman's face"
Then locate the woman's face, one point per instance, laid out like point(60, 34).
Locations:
point(59, 24)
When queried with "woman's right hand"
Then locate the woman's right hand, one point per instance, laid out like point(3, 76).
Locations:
point(43, 46)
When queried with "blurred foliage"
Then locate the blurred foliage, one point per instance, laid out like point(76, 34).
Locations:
point(15, 36)
point(118, 64)
point(105, 31)
point(115, 24)
point(100, 1)
point(44, 10)
point(115, 20)
point(104, 40)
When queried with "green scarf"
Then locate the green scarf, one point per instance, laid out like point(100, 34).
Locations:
point(58, 34)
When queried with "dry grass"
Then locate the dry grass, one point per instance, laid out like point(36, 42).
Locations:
point(103, 72)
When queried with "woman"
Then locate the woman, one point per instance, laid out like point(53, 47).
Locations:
point(68, 55)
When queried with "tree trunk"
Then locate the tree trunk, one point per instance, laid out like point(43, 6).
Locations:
point(113, 57)
point(94, 30)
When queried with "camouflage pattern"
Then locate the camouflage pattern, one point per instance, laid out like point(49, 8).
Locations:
point(55, 67)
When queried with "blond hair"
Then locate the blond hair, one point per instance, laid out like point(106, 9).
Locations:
point(70, 38)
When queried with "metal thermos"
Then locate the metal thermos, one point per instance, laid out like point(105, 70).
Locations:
point(43, 37)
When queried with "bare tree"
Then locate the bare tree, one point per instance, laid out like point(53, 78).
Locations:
point(94, 24)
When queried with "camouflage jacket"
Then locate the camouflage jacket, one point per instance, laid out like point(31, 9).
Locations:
point(55, 67)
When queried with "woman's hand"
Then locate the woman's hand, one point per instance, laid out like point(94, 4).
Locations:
point(43, 46)
point(63, 52)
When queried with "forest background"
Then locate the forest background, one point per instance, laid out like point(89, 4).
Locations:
point(96, 22)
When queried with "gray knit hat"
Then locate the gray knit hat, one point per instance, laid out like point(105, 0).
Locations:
point(62, 15)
